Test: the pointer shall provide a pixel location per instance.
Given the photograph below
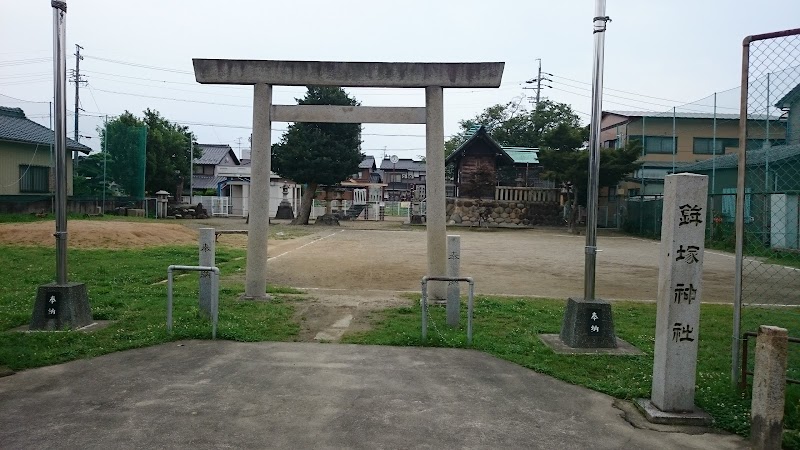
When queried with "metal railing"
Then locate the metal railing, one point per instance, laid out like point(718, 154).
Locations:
point(745, 372)
point(470, 301)
point(214, 293)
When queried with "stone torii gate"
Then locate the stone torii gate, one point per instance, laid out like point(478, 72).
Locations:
point(263, 74)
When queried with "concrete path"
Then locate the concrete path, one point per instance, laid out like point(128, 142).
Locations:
point(203, 394)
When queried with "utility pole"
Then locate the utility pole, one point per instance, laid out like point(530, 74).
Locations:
point(538, 80)
point(76, 78)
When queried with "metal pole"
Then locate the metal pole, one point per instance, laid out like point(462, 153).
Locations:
point(191, 169)
point(105, 157)
point(674, 140)
point(739, 220)
point(169, 299)
point(60, 138)
point(78, 59)
point(599, 27)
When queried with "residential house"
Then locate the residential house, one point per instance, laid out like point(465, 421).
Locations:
point(205, 169)
point(672, 141)
point(402, 178)
point(26, 160)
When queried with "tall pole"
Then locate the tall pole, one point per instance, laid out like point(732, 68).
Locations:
point(191, 167)
point(60, 138)
point(105, 157)
point(674, 139)
point(599, 26)
point(714, 151)
point(78, 59)
point(539, 82)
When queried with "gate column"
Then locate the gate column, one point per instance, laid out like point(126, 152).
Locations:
point(261, 162)
point(434, 182)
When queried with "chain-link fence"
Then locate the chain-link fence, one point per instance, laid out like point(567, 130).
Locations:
point(768, 178)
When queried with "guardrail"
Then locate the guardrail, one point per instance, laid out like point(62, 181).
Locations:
point(470, 300)
point(214, 294)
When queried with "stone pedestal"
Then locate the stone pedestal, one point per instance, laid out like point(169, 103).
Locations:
point(588, 324)
point(207, 257)
point(769, 388)
point(679, 294)
point(61, 307)
point(453, 287)
point(285, 210)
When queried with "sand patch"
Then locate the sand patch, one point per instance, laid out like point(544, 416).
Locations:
point(99, 234)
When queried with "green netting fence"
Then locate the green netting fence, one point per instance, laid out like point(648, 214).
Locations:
point(126, 159)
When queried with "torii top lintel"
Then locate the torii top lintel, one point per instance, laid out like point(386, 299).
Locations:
point(349, 74)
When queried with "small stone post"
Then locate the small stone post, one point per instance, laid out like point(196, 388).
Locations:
point(453, 269)
point(679, 293)
point(207, 250)
point(769, 388)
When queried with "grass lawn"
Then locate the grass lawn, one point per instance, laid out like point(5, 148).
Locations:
point(508, 328)
point(124, 287)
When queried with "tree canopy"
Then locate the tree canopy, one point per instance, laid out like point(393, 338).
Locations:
point(551, 124)
point(318, 153)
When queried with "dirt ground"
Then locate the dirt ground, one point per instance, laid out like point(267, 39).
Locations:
point(99, 234)
point(352, 270)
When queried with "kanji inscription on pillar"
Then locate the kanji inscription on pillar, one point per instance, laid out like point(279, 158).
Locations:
point(680, 287)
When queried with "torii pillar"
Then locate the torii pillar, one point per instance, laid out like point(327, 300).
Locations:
point(263, 74)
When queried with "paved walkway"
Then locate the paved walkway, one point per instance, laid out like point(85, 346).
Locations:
point(204, 394)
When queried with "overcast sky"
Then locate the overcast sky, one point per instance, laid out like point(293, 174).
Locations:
point(138, 54)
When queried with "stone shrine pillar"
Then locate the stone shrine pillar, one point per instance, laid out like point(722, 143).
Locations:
point(435, 214)
point(680, 288)
point(207, 257)
point(261, 161)
point(453, 287)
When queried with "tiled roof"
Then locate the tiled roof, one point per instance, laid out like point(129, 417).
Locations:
point(404, 164)
point(15, 127)
point(754, 158)
point(367, 163)
point(213, 154)
point(206, 181)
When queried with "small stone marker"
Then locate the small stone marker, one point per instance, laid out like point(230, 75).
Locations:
point(207, 250)
point(453, 270)
point(769, 388)
point(679, 294)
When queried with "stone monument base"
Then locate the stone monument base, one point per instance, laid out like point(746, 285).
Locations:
point(285, 211)
point(61, 306)
point(697, 417)
point(588, 324)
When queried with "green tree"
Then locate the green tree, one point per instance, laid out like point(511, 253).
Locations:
point(552, 124)
point(318, 154)
point(88, 178)
point(570, 169)
point(166, 153)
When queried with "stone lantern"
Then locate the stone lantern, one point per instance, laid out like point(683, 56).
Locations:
point(162, 197)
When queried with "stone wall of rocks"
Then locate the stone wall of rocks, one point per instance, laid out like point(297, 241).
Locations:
point(505, 214)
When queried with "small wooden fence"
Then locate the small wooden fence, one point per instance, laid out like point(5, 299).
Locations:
point(526, 194)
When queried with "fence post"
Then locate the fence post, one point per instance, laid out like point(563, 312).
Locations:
point(769, 388)
point(453, 289)
point(207, 250)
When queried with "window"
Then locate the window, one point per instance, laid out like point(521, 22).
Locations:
point(34, 179)
point(702, 146)
point(611, 143)
point(657, 144)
